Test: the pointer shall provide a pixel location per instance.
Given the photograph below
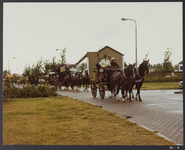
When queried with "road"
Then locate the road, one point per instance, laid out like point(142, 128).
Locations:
point(160, 111)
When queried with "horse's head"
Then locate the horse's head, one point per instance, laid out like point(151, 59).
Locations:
point(86, 73)
point(130, 71)
point(146, 66)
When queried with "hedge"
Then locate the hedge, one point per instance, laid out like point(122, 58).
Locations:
point(10, 91)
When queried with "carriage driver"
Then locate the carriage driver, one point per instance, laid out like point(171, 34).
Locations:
point(105, 62)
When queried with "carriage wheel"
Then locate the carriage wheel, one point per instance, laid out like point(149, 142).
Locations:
point(102, 90)
point(93, 88)
point(115, 90)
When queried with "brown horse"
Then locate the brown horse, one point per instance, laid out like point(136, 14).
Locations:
point(65, 81)
point(86, 80)
point(139, 77)
point(74, 81)
point(122, 80)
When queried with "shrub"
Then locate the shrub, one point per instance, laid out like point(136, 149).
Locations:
point(30, 91)
point(163, 79)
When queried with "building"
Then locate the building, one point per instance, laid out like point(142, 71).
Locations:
point(181, 66)
point(91, 58)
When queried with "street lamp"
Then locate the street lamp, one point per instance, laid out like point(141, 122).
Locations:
point(125, 19)
point(9, 64)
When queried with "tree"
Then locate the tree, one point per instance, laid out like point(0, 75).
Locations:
point(36, 70)
point(27, 70)
point(63, 56)
point(167, 64)
point(146, 57)
point(46, 67)
point(53, 64)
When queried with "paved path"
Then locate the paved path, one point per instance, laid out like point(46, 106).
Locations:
point(161, 110)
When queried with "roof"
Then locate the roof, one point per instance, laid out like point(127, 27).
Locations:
point(181, 62)
point(98, 52)
point(111, 49)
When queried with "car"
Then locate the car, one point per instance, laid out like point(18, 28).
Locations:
point(181, 84)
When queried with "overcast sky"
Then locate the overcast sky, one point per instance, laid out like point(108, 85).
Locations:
point(35, 30)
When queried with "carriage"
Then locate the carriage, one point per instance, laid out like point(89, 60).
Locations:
point(102, 82)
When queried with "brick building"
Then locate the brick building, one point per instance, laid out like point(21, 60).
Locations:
point(91, 58)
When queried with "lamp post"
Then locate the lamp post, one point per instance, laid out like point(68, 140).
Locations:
point(125, 19)
point(9, 64)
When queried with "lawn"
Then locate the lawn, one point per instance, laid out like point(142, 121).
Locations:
point(65, 121)
point(160, 85)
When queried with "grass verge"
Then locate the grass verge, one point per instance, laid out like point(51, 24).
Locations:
point(160, 85)
point(65, 121)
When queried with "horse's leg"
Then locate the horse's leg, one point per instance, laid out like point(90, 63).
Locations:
point(122, 92)
point(130, 91)
point(117, 94)
point(111, 95)
point(137, 87)
point(132, 85)
point(88, 81)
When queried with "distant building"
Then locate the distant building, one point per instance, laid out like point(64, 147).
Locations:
point(181, 66)
point(91, 58)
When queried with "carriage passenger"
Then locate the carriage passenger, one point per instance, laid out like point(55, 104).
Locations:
point(99, 70)
point(98, 67)
point(113, 63)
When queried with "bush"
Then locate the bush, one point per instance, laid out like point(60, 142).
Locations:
point(30, 91)
point(163, 79)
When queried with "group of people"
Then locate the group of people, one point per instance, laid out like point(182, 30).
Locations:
point(106, 63)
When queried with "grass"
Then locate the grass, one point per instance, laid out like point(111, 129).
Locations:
point(65, 121)
point(160, 85)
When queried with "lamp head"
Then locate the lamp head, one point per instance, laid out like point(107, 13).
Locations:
point(124, 19)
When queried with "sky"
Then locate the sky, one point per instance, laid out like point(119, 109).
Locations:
point(33, 31)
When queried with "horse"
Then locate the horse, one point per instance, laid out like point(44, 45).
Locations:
point(65, 81)
point(86, 80)
point(121, 80)
point(139, 77)
point(23, 81)
point(79, 79)
point(74, 81)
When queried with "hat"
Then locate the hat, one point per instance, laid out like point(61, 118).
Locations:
point(113, 58)
point(104, 55)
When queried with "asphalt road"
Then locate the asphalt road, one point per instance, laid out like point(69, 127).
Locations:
point(160, 111)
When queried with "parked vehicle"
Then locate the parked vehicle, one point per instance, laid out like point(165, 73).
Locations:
point(181, 84)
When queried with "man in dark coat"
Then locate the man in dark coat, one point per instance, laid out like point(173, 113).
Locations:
point(113, 63)
point(98, 67)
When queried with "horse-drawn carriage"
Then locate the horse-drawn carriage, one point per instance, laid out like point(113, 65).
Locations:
point(113, 80)
point(102, 82)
